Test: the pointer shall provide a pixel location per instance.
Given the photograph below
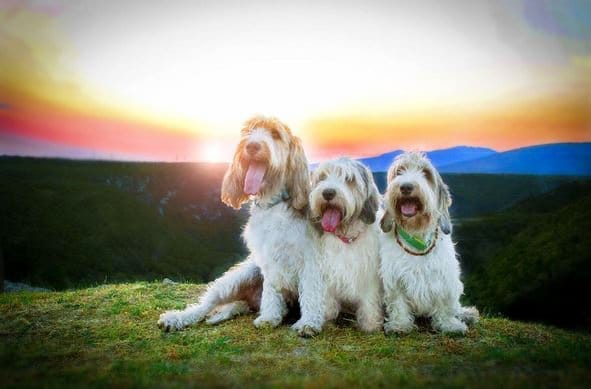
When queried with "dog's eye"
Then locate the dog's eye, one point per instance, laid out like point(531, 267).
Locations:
point(350, 179)
point(428, 175)
point(399, 171)
point(321, 177)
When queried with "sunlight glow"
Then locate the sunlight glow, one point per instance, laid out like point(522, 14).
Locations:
point(212, 151)
point(176, 80)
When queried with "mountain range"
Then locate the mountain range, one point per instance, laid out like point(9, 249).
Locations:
point(571, 159)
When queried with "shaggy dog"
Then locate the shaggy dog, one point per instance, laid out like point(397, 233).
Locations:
point(270, 168)
point(419, 268)
point(344, 200)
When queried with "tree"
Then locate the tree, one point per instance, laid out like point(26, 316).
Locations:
point(1, 271)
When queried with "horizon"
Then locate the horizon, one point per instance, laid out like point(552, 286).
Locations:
point(139, 81)
point(311, 162)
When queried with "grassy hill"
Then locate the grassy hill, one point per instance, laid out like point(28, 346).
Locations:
point(533, 261)
point(106, 336)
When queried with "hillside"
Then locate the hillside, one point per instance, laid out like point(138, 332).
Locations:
point(552, 159)
point(106, 336)
point(78, 223)
point(477, 194)
point(70, 223)
point(533, 261)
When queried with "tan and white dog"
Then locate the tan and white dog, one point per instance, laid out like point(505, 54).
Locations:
point(419, 267)
point(344, 200)
point(269, 168)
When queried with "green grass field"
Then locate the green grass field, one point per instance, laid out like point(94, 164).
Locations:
point(107, 336)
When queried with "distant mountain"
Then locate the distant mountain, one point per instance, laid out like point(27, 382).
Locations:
point(572, 159)
point(439, 158)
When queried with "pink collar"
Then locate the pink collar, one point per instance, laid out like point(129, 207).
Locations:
point(345, 239)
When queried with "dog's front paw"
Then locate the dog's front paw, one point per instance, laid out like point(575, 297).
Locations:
point(451, 326)
point(469, 315)
point(305, 329)
point(266, 321)
point(171, 321)
point(398, 328)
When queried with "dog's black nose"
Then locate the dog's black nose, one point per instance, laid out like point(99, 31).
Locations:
point(329, 194)
point(253, 148)
point(406, 188)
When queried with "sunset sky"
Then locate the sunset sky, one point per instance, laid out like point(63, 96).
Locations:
point(174, 80)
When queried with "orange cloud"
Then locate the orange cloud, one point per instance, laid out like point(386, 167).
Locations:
point(560, 118)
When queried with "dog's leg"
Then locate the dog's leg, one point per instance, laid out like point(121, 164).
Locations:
point(369, 312)
point(332, 307)
point(446, 322)
point(312, 298)
point(228, 311)
point(399, 319)
point(221, 291)
point(468, 315)
point(273, 307)
point(445, 319)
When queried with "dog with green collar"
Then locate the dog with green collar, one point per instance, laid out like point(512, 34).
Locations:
point(419, 268)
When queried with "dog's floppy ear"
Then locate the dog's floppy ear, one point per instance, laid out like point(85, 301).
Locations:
point(443, 203)
point(298, 176)
point(387, 222)
point(233, 184)
point(370, 207)
point(371, 204)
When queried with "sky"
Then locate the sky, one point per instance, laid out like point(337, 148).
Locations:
point(175, 80)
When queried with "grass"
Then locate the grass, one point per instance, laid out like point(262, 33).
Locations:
point(107, 336)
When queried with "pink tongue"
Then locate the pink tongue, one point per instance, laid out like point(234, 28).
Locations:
point(254, 178)
point(331, 219)
point(408, 209)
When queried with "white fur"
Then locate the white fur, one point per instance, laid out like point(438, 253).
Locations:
point(222, 291)
point(427, 285)
point(350, 269)
point(283, 249)
point(282, 245)
point(421, 286)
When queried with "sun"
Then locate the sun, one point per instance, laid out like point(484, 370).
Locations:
point(213, 151)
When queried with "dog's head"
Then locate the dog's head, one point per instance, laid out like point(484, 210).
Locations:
point(268, 158)
point(416, 198)
point(343, 191)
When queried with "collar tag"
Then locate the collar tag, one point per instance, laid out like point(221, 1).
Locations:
point(276, 199)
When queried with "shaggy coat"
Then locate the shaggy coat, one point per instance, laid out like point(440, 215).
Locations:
point(420, 282)
point(344, 200)
point(269, 168)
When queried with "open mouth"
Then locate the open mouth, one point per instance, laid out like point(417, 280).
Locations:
point(409, 206)
point(331, 218)
point(254, 177)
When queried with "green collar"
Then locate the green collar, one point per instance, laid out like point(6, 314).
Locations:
point(279, 197)
point(413, 241)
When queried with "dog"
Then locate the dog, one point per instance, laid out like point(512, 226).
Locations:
point(418, 262)
point(343, 202)
point(270, 168)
